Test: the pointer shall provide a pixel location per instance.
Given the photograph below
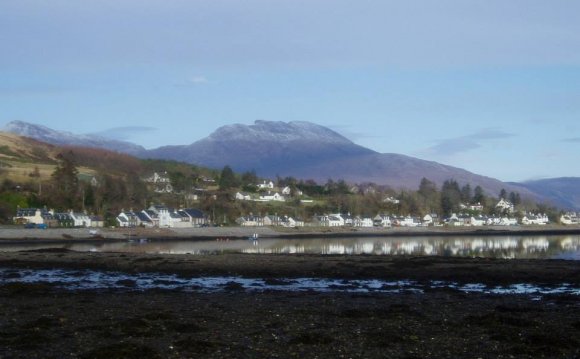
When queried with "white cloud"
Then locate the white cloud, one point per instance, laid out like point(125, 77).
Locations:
point(457, 145)
point(197, 80)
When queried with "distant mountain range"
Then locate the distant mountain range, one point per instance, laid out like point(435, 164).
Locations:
point(45, 134)
point(308, 151)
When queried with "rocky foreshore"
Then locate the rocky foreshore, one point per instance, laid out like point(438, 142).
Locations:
point(42, 320)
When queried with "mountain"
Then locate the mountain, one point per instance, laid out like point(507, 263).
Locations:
point(563, 191)
point(45, 134)
point(309, 151)
point(267, 147)
point(299, 149)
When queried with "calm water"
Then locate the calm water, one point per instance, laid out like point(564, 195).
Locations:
point(101, 280)
point(563, 247)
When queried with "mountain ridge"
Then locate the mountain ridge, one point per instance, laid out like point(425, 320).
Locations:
point(48, 135)
point(310, 151)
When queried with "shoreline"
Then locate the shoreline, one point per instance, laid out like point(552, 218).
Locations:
point(9, 234)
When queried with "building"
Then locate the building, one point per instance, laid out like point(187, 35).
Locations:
point(504, 206)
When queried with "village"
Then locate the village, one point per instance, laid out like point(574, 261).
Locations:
point(161, 216)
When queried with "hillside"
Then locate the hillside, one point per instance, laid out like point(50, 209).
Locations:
point(564, 191)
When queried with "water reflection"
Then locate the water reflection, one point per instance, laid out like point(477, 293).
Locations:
point(567, 247)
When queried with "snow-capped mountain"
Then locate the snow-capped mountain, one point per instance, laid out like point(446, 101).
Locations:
point(48, 135)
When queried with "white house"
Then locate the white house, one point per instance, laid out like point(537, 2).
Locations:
point(80, 219)
point(283, 221)
point(535, 219)
point(242, 196)
point(392, 200)
point(332, 220)
point(127, 219)
point(250, 221)
point(269, 197)
point(407, 221)
point(194, 216)
point(454, 221)
point(287, 191)
point(265, 185)
point(364, 222)
point(477, 221)
point(506, 221)
point(30, 215)
point(569, 218)
point(161, 182)
point(382, 220)
point(505, 206)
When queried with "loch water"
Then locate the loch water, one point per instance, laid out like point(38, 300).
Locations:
point(528, 247)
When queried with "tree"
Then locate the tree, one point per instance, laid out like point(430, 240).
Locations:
point(503, 194)
point(478, 195)
point(515, 198)
point(450, 197)
point(429, 195)
point(65, 182)
point(227, 179)
point(466, 194)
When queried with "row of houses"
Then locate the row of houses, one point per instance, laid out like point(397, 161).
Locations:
point(42, 217)
point(570, 218)
point(269, 220)
point(162, 217)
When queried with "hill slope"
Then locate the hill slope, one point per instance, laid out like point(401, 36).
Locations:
point(563, 191)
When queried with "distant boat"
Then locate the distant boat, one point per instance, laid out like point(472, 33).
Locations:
point(253, 237)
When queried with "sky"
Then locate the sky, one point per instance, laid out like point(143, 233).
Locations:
point(492, 86)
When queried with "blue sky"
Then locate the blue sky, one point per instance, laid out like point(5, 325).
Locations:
point(490, 86)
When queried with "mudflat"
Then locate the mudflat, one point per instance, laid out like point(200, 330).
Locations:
point(42, 320)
